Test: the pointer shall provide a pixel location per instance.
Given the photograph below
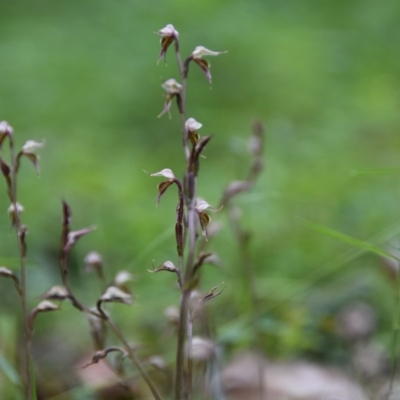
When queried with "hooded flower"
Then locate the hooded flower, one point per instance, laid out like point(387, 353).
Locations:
point(14, 212)
point(197, 57)
point(205, 219)
point(191, 127)
point(168, 35)
point(5, 130)
point(172, 89)
point(29, 151)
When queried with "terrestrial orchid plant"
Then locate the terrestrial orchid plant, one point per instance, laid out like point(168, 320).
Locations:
point(191, 212)
point(192, 218)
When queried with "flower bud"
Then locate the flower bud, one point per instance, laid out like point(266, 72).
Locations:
point(14, 212)
point(93, 261)
point(171, 86)
point(172, 314)
point(202, 349)
point(56, 293)
point(115, 295)
point(5, 130)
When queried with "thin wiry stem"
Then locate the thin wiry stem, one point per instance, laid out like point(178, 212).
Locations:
point(23, 285)
point(190, 359)
point(133, 358)
point(81, 307)
point(248, 280)
point(183, 96)
point(396, 329)
point(190, 228)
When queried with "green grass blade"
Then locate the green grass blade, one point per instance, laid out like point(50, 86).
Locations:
point(9, 371)
point(348, 239)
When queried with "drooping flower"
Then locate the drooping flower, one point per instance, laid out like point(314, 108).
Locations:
point(172, 89)
point(5, 130)
point(168, 35)
point(197, 56)
point(28, 150)
point(191, 127)
point(205, 219)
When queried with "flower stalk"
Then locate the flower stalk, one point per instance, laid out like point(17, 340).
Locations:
point(188, 215)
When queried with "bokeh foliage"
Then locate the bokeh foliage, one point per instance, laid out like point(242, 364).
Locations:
point(323, 77)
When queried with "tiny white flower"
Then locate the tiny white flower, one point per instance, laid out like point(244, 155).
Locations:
point(30, 146)
point(11, 209)
point(4, 127)
point(202, 205)
point(171, 86)
point(56, 293)
point(201, 51)
point(168, 35)
point(166, 173)
point(192, 125)
point(202, 348)
point(93, 258)
point(123, 277)
point(46, 305)
point(168, 30)
point(114, 294)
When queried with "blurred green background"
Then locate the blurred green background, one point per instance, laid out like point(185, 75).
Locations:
point(322, 76)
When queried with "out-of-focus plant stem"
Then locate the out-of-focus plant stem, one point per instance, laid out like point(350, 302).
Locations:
point(190, 228)
point(23, 286)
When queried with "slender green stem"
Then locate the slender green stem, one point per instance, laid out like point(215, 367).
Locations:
point(81, 307)
point(188, 227)
point(248, 280)
point(190, 360)
point(183, 96)
point(180, 352)
point(133, 358)
point(23, 285)
point(396, 328)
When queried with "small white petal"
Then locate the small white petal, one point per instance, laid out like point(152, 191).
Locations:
point(4, 271)
point(202, 348)
point(192, 125)
point(30, 146)
point(202, 205)
point(167, 173)
point(114, 294)
point(169, 265)
point(123, 277)
point(172, 314)
point(11, 209)
point(46, 305)
point(201, 51)
point(4, 128)
point(168, 30)
point(93, 259)
point(56, 292)
point(171, 86)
